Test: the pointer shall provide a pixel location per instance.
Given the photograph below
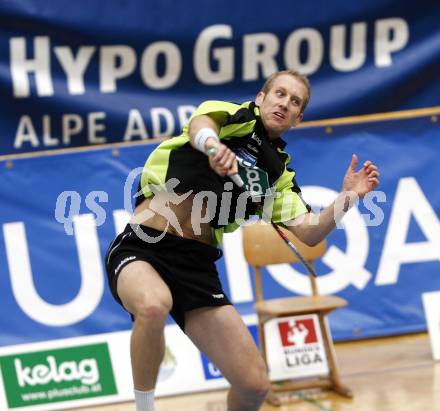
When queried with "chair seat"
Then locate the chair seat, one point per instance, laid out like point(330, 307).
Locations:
point(299, 305)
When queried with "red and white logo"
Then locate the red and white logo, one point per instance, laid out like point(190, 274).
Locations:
point(297, 333)
point(294, 347)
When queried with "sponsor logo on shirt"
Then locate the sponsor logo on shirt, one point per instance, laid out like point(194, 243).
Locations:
point(256, 138)
point(218, 296)
point(247, 158)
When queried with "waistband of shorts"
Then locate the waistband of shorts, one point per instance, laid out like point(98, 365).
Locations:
point(210, 249)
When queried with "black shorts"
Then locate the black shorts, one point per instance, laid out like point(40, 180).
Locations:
point(186, 266)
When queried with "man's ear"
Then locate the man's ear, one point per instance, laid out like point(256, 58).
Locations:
point(298, 119)
point(259, 99)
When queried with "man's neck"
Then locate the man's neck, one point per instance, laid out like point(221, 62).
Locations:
point(273, 137)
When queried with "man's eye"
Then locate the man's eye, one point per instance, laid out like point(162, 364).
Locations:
point(279, 93)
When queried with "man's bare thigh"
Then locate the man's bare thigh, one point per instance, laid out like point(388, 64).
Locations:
point(138, 282)
point(222, 335)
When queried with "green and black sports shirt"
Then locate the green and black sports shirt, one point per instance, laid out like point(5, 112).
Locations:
point(244, 133)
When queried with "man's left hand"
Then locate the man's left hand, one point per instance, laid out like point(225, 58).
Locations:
point(363, 181)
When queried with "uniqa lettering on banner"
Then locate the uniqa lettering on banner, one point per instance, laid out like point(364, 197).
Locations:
point(348, 267)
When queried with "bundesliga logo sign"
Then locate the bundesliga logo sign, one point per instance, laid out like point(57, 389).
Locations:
point(296, 347)
point(300, 343)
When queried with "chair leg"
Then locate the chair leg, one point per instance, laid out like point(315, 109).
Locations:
point(337, 385)
point(261, 338)
point(343, 391)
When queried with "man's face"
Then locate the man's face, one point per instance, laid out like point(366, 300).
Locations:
point(280, 107)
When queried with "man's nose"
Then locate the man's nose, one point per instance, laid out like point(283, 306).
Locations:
point(283, 103)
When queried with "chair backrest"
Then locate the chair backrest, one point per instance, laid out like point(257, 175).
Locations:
point(262, 246)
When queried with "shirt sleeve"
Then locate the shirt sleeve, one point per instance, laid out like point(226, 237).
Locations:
point(215, 106)
point(237, 120)
point(219, 110)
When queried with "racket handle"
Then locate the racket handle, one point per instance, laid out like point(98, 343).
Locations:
point(212, 151)
point(234, 177)
point(237, 180)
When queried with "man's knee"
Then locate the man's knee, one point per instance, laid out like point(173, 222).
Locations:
point(256, 384)
point(260, 386)
point(152, 311)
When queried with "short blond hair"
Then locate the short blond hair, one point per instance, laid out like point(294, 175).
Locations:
point(296, 74)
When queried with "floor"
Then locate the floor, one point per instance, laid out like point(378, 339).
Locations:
point(386, 374)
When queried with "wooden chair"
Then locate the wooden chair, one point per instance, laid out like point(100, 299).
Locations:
point(263, 246)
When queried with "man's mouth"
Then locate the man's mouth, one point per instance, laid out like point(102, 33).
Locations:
point(279, 115)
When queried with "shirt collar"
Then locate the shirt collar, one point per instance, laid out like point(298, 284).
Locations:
point(279, 143)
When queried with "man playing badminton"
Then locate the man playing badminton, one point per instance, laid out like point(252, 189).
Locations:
point(164, 261)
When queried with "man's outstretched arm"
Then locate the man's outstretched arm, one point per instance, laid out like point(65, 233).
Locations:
point(312, 228)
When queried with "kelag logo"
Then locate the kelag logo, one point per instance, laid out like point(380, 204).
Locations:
point(57, 375)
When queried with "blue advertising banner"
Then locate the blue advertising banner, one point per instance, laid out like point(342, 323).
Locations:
point(72, 75)
point(60, 212)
